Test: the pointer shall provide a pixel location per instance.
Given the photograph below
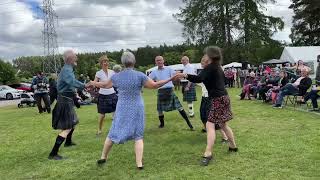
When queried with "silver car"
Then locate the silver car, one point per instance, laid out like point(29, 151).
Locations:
point(7, 92)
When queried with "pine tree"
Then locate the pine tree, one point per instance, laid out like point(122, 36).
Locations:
point(306, 23)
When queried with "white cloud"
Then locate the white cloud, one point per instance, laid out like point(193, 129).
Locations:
point(118, 24)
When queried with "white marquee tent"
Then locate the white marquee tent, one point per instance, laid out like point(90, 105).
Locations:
point(233, 64)
point(308, 54)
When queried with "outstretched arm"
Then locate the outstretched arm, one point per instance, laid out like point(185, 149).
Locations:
point(105, 84)
point(150, 84)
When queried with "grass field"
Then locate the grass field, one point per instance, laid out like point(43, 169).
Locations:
point(273, 144)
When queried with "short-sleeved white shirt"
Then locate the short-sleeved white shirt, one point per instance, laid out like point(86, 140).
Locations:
point(188, 69)
point(103, 77)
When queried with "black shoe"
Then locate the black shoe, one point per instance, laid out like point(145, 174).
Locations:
point(140, 168)
point(191, 129)
point(161, 126)
point(101, 161)
point(314, 110)
point(55, 157)
point(205, 160)
point(277, 106)
point(224, 141)
point(69, 144)
point(233, 149)
point(48, 111)
point(203, 130)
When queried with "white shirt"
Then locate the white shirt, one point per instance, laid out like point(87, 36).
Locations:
point(188, 69)
point(103, 77)
point(204, 90)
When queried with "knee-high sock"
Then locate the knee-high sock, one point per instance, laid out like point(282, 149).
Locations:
point(55, 149)
point(185, 117)
point(161, 119)
point(69, 137)
point(190, 107)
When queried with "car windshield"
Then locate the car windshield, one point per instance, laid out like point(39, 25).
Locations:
point(6, 88)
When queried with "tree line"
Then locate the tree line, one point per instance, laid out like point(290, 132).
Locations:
point(240, 27)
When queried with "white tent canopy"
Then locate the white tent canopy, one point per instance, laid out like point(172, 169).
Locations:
point(176, 67)
point(233, 64)
point(307, 54)
point(304, 53)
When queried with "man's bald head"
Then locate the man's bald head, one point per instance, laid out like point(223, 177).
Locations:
point(159, 60)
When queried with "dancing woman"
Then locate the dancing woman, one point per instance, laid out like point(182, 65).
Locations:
point(129, 117)
point(212, 77)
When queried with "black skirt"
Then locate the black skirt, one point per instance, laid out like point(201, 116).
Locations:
point(64, 115)
point(107, 103)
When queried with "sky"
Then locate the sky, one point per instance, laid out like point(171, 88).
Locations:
point(101, 25)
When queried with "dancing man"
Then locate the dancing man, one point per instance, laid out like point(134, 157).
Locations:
point(188, 88)
point(167, 100)
point(64, 116)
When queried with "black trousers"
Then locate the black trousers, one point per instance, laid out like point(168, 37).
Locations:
point(53, 97)
point(45, 98)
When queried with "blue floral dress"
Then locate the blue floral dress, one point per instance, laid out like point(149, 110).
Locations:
point(128, 122)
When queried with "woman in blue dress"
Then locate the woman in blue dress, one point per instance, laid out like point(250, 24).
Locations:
point(128, 122)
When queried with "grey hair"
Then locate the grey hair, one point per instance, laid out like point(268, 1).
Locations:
point(66, 56)
point(128, 59)
point(117, 68)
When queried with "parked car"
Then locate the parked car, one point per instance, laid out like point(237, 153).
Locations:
point(7, 92)
point(25, 87)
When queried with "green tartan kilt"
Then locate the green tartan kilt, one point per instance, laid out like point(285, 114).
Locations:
point(170, 103)
point(189, 96)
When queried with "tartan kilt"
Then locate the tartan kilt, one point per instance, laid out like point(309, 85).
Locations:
point(189, 96)
point(169, 104)
point(107, 103)
point(64, 115)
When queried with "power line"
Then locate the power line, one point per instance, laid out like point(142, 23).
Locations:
point(85, 17)
point(108, 25)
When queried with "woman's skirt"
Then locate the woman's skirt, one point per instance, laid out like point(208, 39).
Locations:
point(220, 110)
point(189, 96)
point(63, 115)
point(167, 100)
point(107, 103)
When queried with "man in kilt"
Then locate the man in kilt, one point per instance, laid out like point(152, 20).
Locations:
point(64, 116)
point(167, 100)
point(188, 88)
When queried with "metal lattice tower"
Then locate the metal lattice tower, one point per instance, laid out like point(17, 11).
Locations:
point(51, 62)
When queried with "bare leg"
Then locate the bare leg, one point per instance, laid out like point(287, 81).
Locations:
point(101, 120)
point(106, 148)
point(139, 152)
point(223, 134)
point(229, 134)
point(211, 136)
point(64, 133)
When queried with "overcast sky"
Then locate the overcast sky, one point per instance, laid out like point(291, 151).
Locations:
point(101, 25)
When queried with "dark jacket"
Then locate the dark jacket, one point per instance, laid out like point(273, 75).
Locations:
point(318, 75)
point(283, 82)
point(304, 85)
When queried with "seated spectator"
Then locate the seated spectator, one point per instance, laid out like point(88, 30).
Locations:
point(273, 92)
point(313, 95)
point(271, 81)
point(262, 85)
point(249, 86)
point(299, 87)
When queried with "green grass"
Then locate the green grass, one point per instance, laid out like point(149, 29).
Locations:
point(273, 144)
